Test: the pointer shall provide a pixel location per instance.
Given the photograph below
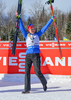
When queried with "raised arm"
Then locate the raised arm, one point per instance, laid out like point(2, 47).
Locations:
point(23, 29)
point(45, 27)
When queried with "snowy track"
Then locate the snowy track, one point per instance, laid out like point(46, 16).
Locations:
point(11, 86)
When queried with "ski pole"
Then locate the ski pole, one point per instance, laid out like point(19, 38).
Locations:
point(50, 2)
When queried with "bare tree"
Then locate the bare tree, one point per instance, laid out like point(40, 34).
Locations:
point(35, 12)
point(2, 8)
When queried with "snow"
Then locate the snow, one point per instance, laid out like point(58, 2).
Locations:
point(11, 86)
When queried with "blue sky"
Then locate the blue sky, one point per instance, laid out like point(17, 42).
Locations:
point(63, 5)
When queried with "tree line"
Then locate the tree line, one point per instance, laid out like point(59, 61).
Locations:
point(39, 16)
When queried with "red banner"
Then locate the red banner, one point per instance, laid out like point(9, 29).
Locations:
point(50, 58)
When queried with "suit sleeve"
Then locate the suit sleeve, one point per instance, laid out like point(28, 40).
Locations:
point(23, 29)
point(39, 33)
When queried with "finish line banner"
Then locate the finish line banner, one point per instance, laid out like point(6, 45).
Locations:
point(50, 58)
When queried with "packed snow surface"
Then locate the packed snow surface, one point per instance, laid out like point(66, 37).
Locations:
point(12, 85)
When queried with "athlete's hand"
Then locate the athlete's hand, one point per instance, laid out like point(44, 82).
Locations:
point(53, 17)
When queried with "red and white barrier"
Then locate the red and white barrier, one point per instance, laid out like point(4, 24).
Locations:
point(50, 58)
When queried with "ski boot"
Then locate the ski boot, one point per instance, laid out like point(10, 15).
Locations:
point(44, 87)
point(25, 92)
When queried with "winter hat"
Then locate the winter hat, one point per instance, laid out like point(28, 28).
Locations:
point(30, 26)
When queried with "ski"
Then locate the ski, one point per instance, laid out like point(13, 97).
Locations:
point(18, 15)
